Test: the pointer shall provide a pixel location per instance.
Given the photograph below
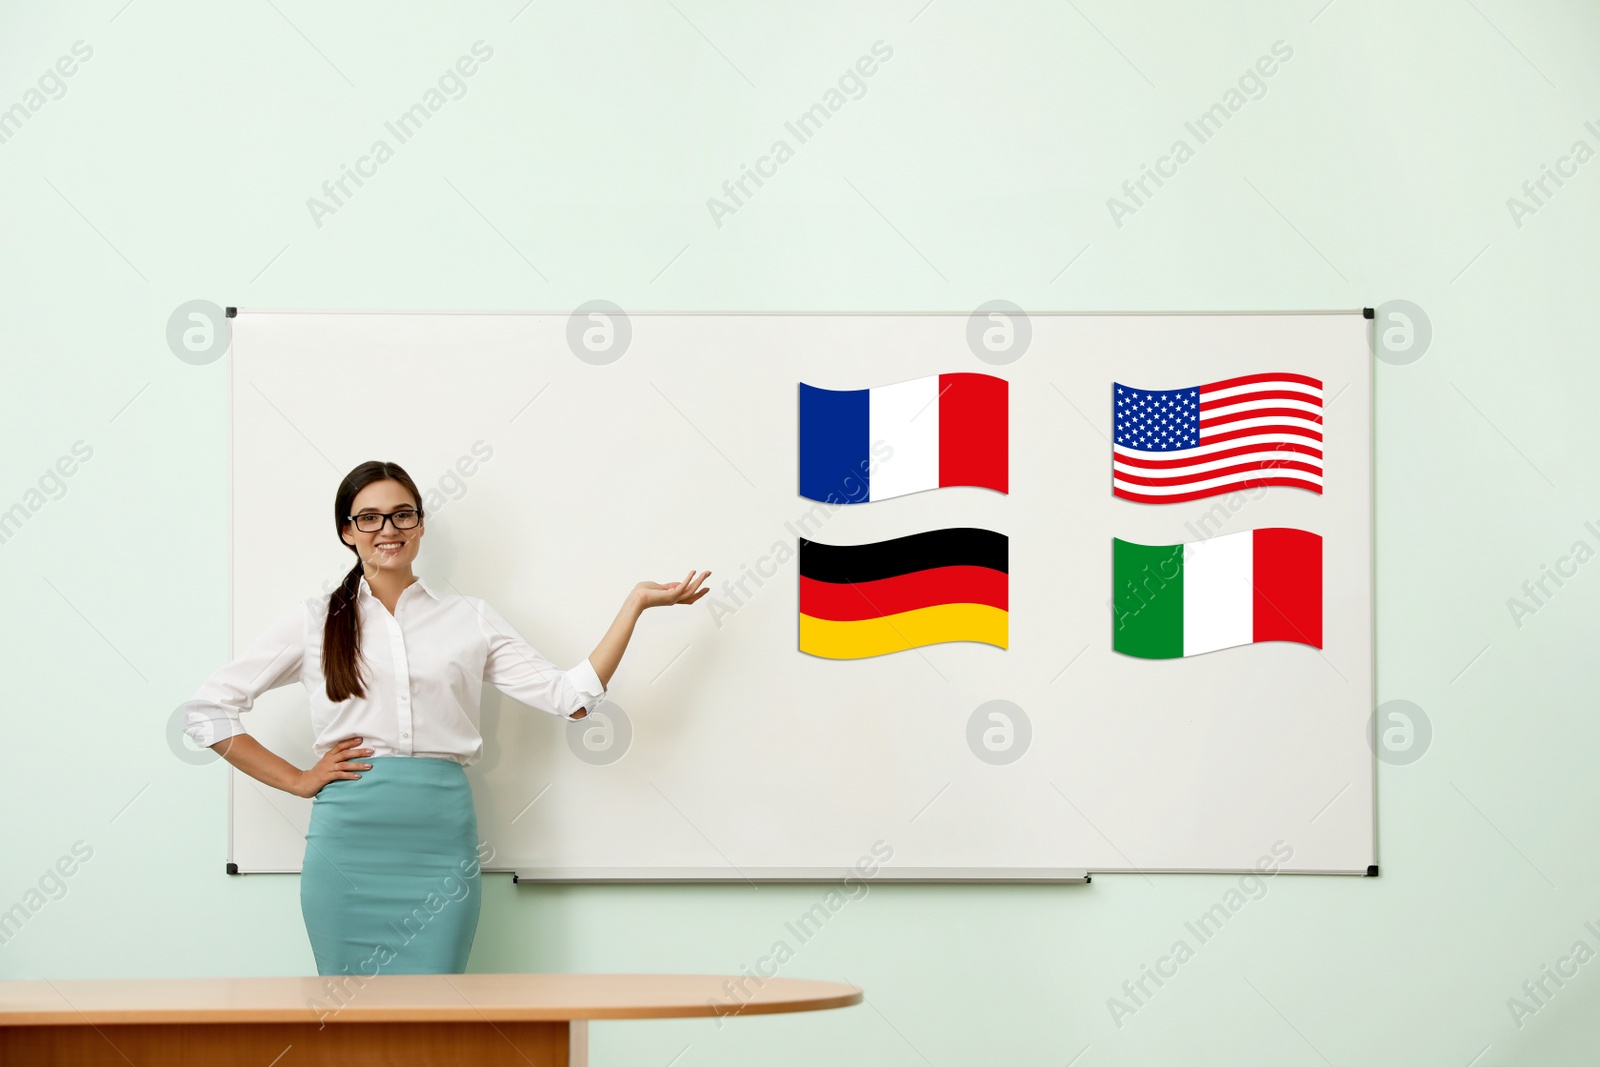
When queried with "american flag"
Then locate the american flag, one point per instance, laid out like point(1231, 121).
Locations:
point(1182, 444)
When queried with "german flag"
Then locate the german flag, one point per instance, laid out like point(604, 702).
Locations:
point(866, 600)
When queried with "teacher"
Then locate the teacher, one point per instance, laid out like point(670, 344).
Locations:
point(390, 880)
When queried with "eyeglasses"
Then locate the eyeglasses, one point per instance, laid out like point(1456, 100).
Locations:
point(372, 521)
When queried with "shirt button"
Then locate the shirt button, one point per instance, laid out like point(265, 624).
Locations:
point(405, 735)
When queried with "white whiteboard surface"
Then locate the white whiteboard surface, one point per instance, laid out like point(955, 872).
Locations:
point(749, 759)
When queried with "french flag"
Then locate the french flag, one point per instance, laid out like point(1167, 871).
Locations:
point(860, 445)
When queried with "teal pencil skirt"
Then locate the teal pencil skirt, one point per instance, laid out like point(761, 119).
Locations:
point(390, 882)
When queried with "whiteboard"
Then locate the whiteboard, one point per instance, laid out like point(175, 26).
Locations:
point(734, 755)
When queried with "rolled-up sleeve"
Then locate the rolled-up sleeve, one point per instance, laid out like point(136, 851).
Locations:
point(273, 659)
point(518, 670)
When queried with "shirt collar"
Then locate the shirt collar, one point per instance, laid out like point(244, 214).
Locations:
point(366, 590)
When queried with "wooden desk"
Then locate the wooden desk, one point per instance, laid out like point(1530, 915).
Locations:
point(481, 1019)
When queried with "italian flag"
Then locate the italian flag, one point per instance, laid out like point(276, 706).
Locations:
point(1237, 589)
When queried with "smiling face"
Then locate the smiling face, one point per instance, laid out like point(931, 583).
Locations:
point(385, 549)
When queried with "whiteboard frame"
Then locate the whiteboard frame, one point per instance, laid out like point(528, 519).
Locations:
point(770, 875)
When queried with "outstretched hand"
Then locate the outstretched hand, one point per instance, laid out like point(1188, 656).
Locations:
point(608, 653)
point(655, 595)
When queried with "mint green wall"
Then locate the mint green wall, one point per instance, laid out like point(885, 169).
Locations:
point(1376, 165)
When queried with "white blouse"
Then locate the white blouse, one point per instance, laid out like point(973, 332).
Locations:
point(424, 671)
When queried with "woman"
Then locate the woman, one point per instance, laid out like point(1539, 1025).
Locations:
point(390, 878)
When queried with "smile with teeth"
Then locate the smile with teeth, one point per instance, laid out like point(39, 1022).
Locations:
point(390, 547)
